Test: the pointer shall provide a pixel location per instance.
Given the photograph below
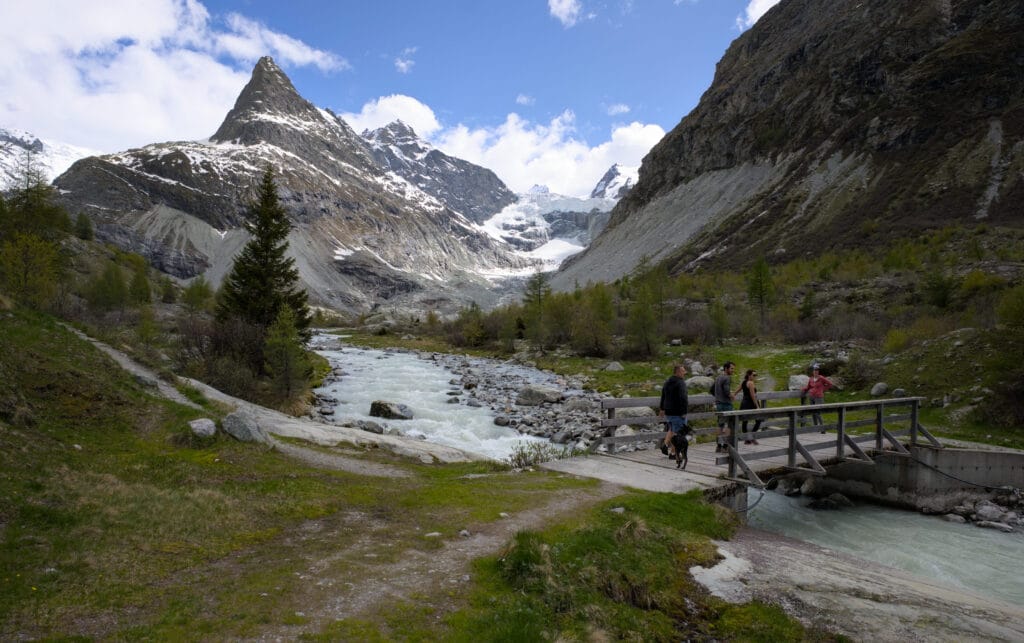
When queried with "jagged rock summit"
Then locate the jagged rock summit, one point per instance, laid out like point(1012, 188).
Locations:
point(363, 234)
point(473, 191)
point(832, 125)
point(615, 183)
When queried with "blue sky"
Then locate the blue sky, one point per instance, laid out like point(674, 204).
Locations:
point(541, 92)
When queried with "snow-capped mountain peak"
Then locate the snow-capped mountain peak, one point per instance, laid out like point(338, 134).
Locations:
point(51, 157)
point(616, 182)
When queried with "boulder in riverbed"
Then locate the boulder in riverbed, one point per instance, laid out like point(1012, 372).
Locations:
point(390, 410)
point(534, 395)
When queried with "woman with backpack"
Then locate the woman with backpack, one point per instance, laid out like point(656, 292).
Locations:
point(749, 401)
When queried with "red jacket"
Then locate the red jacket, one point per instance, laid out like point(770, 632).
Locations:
point(816, 386)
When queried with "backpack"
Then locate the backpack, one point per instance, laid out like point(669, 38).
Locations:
point(712, 389)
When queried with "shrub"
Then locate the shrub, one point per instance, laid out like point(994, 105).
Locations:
point(528, 454)
point(895, 340)
point(860, 372)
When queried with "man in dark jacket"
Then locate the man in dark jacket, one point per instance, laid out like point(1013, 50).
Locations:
point(672, 409)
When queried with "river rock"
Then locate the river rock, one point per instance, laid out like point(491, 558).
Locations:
point(797, 382)
point(840, 500)
point(390, 410)
point(988, 511)
point(534, 395)
point(580, 404)
point(1001, 526)
point(899, 392)
point(203, 427)
point(473, 403)
point(954, 518)
point(243, 427)
point(823, 504)
point(879, 389)
point(699, 384)
point(501, 420)
point(614, 367)
point(372, 427)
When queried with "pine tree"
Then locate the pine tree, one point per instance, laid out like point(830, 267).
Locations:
point(286, 361)
point(83, 227)
point(138, 290)
point(29, 269)
point(761, 288)
point(263, 279)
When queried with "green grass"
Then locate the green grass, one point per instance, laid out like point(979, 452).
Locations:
point(106, 511)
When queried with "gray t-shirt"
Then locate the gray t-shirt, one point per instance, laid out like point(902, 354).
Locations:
point(723, 389)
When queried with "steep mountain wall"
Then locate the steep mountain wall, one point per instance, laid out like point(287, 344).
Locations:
point(828, 125)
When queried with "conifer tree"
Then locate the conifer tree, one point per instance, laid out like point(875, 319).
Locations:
point(263, 279)
point(761, 288)
point(29, 269)
point(138, 290)
point(286, 361)
point(83, 227)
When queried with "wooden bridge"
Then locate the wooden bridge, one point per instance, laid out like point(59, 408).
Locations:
point(789, 439)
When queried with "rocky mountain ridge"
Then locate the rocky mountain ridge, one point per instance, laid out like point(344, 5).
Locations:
point(363, 235)
point(832, 125)
point(473, 191)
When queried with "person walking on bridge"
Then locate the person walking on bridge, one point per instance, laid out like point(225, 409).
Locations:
point(749, 401)
point(724, 396)
point(672, 409)
point(815, 390)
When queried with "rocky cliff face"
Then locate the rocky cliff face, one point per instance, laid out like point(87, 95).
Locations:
point(833, 125)
point(363, 235)
point(473, 191)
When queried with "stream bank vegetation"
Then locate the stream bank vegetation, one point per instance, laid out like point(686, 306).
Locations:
point(113, 526)
point(939, 317)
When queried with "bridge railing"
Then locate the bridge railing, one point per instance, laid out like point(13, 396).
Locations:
point(877, 423)
point(881, 417)
point(701, 407)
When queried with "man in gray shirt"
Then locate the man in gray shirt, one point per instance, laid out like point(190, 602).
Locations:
point(724, 397)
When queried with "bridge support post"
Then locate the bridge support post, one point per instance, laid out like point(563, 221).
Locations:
point(841, 433)
point(913, 423)
point(791, 454)
point(732, 444)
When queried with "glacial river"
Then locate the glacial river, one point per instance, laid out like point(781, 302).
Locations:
point(985, 561)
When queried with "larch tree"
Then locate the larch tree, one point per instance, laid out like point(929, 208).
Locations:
point(263, 279)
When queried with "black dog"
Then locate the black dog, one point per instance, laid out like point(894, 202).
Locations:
point(681, 446)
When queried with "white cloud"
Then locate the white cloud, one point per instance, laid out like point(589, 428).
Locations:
point(520, 152)
point(617, 109)
point(525, 99)
point(524, 154)
point(121, 73)
point(566, 11)
point(755, 9)
point(388, 109)
point(404, 62)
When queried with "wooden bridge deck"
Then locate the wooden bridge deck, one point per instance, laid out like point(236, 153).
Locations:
point(648, 469)
point(787, 443)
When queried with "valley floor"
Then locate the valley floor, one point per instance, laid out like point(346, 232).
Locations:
point(818, 586)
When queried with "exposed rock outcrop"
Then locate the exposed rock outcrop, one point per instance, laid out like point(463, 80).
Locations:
point(827, 125)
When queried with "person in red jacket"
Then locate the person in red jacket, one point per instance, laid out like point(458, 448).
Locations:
point(815, 391)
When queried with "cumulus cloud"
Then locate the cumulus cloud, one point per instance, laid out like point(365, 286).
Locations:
point(122, 73)
point(755, 9)
point(524, 99)
point(388, 109)
point(617, 109)
point(566, 11)
point(522, 153)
